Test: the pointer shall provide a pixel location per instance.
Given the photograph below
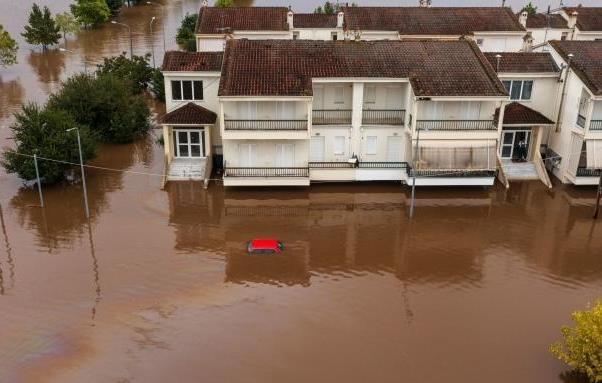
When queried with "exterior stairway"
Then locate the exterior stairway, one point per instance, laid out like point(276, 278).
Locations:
point(187, 169)
point(520, 171)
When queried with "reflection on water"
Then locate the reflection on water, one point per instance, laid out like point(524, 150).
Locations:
point(11, 97)
point(48, 65)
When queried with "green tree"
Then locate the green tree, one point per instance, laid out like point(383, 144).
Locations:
point(43, 132)
point(90, 13)
point(582, 345)
point(529, 8)
point(41, 29)
point(114, 5)
point(331, 8)
point(136, 72)
point(66, 23)
point(185, 36)
point(8, 48)
point(158, 85)
point(106, 105)
point(224, 3)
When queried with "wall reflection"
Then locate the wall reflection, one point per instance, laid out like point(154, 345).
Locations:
point(11, 97)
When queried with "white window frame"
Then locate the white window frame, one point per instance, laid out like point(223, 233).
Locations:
point(338, 147)
point(339, 94)
point(181, 83)
point(370, 94)
point(371, 145)
point(522, 88)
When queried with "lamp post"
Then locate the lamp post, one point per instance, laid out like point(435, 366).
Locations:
point(130, 33)
point(162, 15)
point(81, 165)
point(152, 40)
point(84, 60)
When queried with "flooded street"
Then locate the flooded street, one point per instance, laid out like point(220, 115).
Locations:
point(156, 286)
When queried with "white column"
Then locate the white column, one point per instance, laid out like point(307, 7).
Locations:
point(356, 117)
point(168, 142)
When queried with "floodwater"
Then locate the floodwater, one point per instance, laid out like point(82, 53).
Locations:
point(155, 287)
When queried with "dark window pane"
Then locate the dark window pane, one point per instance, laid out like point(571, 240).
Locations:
point(183, 150)
point(187, 90)
point(195, 150)
point(198, 90)
point(194, 137)
point(182, 137)
point(508, 138)
point(506, 151)
point(176, 90)
point(507, 85)
point(527, 88)
point(514, 93)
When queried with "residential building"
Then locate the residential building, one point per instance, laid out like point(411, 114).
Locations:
point(577, 138)
point(585, 22)
point(295, 112)
point(492, 28)
point(533, 83)
point(544, 27)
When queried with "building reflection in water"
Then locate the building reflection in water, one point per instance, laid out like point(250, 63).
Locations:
point(11, 97)
point(9, 259)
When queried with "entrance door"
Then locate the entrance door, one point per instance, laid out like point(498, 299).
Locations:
point(394, 149)
point(189, 143)
point(515, 144)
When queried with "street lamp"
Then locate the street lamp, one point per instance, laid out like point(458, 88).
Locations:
point(152, 40)
point(162, 15)
point(130, 32)
point(81, 164)
point(84, 60)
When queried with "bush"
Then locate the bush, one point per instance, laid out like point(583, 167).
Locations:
point(582, 345)
point(8, 48)
point(158, 85)
point(136, 72)
point(90, 13)
point(43, 132)
point(185, 36)
point(106, 105)
point(114, 5)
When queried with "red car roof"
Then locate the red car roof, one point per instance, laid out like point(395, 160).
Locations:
point(264, 243)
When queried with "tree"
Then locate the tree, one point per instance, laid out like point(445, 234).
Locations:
point(185, 36)
point(42, 29)
point(158, 85)
point(43, 132)
point(582, 345)
point(331, 8)
point(224, 3)
point(114, 5)
point(90, 13)
point(529, 8)
point(8, 48)
point(136, 72)
point(105, 104)
point(66, 23)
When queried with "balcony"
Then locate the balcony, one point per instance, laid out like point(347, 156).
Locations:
point(580, 121)
point(587, 172)
point(383, 117)
point(265, 172)
point(452, 173)
point(455, 125)
point(595, 125)
point(331, 117)
point(265, 125)
point(331, 165)
point(382, 165)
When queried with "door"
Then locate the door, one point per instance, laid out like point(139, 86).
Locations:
point(247, 155)
point(316, 149)
point(285, 155)
point(515, 144)
point(394, 149)
point(189, 143)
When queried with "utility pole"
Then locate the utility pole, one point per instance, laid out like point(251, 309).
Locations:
point(35, 162)
point(412, 202)
point(81, 165)
point(152, 41)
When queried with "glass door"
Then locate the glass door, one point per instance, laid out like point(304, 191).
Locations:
point(515, 144)
point(189, 143)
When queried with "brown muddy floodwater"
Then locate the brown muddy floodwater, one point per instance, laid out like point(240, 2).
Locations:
point(156, 287)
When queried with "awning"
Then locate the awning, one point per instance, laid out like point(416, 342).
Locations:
point(457, 155)
point(190, 114)
point(594, 154)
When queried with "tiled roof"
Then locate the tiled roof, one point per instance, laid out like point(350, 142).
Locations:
point(212, 20)
point(431, 21)
point(286, 67)
point(190, 114)
point(519, 114)
point(177, 61)
point(586, 62)
point(588, 18)
point(523, 62)
point(314, 20)
point(546, 20)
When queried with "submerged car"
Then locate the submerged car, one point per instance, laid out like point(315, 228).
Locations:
point(264, 246)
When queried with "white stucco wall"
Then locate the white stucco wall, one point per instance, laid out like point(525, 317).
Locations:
point(500, 42)
point(210, 89)
point(541, 35)
point(455, 110)
point(314, 34)
point(545, 94)
point(587, 35)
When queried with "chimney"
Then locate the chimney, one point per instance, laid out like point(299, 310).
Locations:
point(289, 18)
point(522, 19)
point(498, 57)
point(428, 3)
point(340, 19)
point(205, 3)
point(572, 20)
point(527, 42)
point(422, 3)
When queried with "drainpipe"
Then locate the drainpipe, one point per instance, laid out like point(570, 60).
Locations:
point(563, 96)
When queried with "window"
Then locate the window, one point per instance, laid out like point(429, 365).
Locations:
point(371, 145)
point(339, 94)
point(335, 36)
point(370, 94)
point(295, 35)
point(186, 90)
point(480, 42)
point(519, 90)
point(564, 35)
point(339, 145)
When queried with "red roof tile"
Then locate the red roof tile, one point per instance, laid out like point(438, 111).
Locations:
point(523, 62)
point(546, 20)
point(178, 61)
point(519, 114)
point(286, 67)
point(586, 61)
point(190, 114)
point(314, 20)
point(588, 18)
point(431, 21)
point(212, 20)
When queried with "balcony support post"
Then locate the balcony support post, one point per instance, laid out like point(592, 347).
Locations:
point(356, 118)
